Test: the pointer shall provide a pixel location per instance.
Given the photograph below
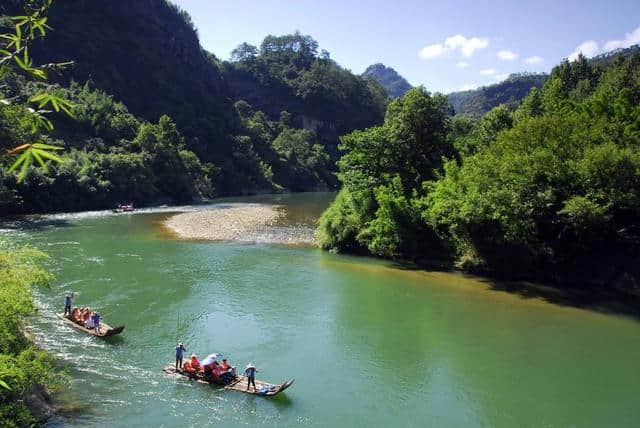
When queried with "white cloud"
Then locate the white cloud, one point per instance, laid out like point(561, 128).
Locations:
point(534, 60)
point(462, 64)
point(432, 51)
point(467, 46)
point(501, 77)
point(458, 42)
point(468, 87)
point(591, 47)
point(630, 39)
point(588, 49)
point(507, 55)
point(488, 71)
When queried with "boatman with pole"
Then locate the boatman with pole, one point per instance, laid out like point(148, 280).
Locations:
point(179, 354)
point(250, 373)
point(96, 322)
point(68, 301)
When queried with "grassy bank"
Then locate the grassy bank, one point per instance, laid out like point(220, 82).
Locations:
point(23, 367)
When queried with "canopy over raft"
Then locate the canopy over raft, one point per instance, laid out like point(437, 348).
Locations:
point(105, 329)
point(238, 384)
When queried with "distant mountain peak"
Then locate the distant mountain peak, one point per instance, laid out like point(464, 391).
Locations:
point(393, 83)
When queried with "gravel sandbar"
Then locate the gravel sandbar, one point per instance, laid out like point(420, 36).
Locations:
point(224, 223)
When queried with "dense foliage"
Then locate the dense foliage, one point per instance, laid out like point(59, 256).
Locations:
point(110, 157)
point(393, 83)
point(168, 130)
point(22, 366)
point(550, 189)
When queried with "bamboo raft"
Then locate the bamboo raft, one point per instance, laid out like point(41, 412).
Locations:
point(238, 384)
point(105, 329)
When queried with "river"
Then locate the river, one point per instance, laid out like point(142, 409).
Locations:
point(370, 344)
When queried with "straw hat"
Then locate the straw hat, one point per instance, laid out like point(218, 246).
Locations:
point(250, 366)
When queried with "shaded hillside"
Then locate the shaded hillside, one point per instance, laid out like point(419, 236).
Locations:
point(147, 54)
point(395, 84)
point(511, 91)
point(267, 121)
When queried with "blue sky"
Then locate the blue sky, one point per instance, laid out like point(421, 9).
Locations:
point(443, 45)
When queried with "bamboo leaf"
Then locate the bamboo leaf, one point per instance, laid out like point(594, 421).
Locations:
point(54, 103)
point(18, 161)
point(38, 158)
point(4, 385)
point(18, 149)
point(46, 146)
point(18, 38)
point(19, 62)
point(38, 97)
point(25, 165)
point(48, 155)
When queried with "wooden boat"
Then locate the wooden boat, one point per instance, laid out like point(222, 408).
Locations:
point(238, 384)
point(105, 329)
point(124, 208)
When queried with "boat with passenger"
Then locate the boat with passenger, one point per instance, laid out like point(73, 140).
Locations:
point(209, 371)
point(86, 321)
point(124, 208)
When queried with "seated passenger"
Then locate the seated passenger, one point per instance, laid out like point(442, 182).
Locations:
point(194, 362)
point(224, 365)
point(89, 322)
point(75, 314)
point(192, 366)
point(228, 368)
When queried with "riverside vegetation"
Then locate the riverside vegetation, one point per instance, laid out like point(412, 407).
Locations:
point(22, 366)
point(549, 190)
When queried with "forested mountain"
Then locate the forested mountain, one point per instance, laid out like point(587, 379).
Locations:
point(550, 190)
point(287, 73)
point(395, 84)
point(153, 106)
point(476, 102)
point(511, 91)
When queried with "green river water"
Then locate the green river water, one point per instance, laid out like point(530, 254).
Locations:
point(369, 344)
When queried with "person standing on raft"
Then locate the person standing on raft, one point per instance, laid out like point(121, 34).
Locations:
point(96, 322)
point(179, 354)
point(250, 373)
point(68, 301)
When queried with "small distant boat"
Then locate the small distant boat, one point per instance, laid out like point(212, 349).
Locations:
point(239, 383)
point(124, 208)
point(105, 329)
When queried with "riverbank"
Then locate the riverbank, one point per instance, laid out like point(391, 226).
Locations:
point(26, 371)
point(248, 223)
point(224, 223)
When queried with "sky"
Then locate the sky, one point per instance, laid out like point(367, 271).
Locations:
point(445, 45)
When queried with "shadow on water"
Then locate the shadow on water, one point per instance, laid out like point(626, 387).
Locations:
point(607, 301)
point(610, 302)
point(282, 400)
point(115, 340)
point(32, 224)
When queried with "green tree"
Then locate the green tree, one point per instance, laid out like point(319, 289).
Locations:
point(15, 58)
